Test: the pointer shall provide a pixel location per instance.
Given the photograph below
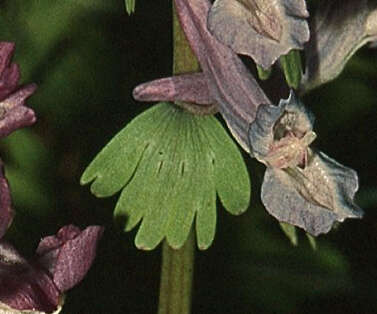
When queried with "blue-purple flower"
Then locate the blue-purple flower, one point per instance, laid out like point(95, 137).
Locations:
point(261, 29)
point(336, 35)
point(301, 186)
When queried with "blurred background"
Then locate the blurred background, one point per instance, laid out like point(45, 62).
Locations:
point(86, 57)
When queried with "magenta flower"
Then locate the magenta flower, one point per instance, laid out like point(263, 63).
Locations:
point(13, 112)
point(6, 211)
point(13, 115)
point(61, 262)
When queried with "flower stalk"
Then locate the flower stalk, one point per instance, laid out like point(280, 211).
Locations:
point(176, 278)
point(178, 265)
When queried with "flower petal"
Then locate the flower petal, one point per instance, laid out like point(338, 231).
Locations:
point(61, 262)
point(336, 36)
point(24, 286)
point(190, 88)
point(13, 113)
point(69, 255)
point(6, 53)
point(261, 29)
point(292, 114)
point(6, 211)
point(9, 73)
point(312, 198)
point(9, 80)
point(312, 195)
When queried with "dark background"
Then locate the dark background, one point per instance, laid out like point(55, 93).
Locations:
point(86, 56)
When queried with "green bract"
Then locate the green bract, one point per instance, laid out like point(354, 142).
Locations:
point(291, 233)
point(170, 164)
point(130, 6)
point(292, 68)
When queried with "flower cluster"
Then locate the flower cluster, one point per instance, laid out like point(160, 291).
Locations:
point(301, 186)
point(61, 261)
point(13, 115)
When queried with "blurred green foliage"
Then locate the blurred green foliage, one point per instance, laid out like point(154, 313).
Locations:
point(86, 56)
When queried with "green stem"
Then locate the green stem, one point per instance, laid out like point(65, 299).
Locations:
point(176, 278)
point(178, 265)
point(184, 60)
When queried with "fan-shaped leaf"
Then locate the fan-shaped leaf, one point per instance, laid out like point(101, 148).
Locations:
point(170, 164)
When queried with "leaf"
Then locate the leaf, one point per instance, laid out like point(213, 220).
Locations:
point(191, 88)
point(26, 170)
point(281, 275)
point(229, 164)
point(263, 74)
point(170, 164)
point(130, 6)
point(292, 68)
point(290, 232)
point(312, 241)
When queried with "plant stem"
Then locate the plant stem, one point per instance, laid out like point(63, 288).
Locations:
point(184, 59)
point(178, 265)
point(176, 278)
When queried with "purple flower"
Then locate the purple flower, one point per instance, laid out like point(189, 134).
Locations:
point(225, 80)
point(261, 29)
point(13, 113)
point(302, 187)
point(6, 211)
point(61, 262)
point(336, 36)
